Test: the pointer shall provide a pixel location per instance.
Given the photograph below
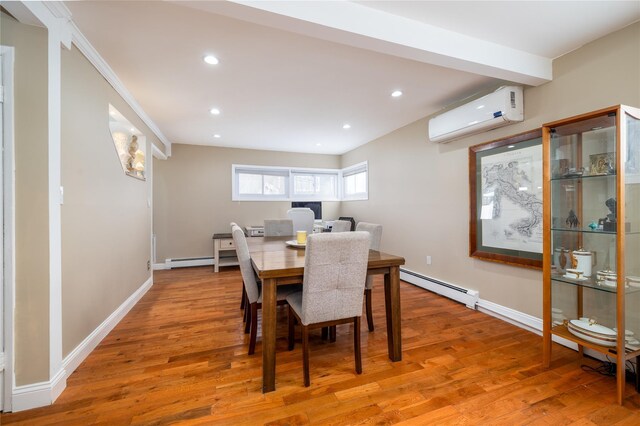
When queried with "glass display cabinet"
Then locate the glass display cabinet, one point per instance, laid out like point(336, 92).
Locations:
point(591, 261)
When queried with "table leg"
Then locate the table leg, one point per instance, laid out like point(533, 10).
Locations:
point(268, 335)
point(392, 305)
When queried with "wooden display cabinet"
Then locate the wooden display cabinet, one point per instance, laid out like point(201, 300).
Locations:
point(591, 260)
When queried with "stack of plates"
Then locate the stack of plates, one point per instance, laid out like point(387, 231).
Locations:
point(594, 333)
point(633, 281)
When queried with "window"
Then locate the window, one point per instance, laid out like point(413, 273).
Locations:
point(251, 183)
point(355, 185)
point(323, 186)
point(262, 183)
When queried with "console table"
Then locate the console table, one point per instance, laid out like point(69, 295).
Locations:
point(222, 243)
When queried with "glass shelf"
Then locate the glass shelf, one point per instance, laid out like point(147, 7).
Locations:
point(589, 231)
point(565, 178)
point(591, 283)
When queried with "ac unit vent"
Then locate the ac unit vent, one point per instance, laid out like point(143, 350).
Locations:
point(497, 109)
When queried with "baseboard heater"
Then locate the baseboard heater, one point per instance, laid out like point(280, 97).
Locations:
point(184, 262)
point(463, 295)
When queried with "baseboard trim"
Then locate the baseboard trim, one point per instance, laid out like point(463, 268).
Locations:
point(38, 394)
point(75, 357)
point(45, 393)
point(530, 323)
point(520, 319)
point(159, 266)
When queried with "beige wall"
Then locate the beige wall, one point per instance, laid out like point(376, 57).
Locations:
point(419, 190)
point(31, 316)
point(192, 196)
point(106, 221)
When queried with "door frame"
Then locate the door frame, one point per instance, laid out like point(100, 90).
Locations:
point(8, 206)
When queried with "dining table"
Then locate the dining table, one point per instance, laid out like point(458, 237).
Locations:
point(278, 263)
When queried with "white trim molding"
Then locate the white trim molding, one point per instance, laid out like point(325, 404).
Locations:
point(45, 393)
point(107, 72)
point(520, 319)
point(9, 214)
point(80, 353)
point(39, 394)
point(471, 299)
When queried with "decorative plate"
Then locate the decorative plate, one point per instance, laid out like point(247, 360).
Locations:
point(294, 243)
point(595, 330)
point(592, 339)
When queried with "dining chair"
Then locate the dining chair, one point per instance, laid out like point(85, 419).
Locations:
point(335, 268)
point(303, 219)
point(341, 226)
point(244, 293)
point(375, 233)
point(253, 291)
point(278, 228)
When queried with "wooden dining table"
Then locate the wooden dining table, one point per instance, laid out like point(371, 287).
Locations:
point(277, 263)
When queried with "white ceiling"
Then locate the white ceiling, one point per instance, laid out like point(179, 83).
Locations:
point(292, 73)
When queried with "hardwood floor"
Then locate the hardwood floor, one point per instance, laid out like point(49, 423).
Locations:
point(180, 356)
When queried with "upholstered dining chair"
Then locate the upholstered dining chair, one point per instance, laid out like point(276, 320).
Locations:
point(341, 226)
point(303, 219)
point(244, 293)
point(375, 233)
point(253, 291)
point(278, 228)
point(335, 268)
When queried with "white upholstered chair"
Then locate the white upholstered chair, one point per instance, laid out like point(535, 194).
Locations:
point(303, 218)
point(341, 226)
point(253, 291)
point(335, 268)
point(375, 233)
point(278, 228)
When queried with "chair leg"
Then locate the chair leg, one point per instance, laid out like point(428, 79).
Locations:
point(305, 355)
point(254, 328)
point(332, 334)
point(247, 316)
point(325, 333)
point(291, 330)
point(356, 344)
point(367, 294)
point(244, 296)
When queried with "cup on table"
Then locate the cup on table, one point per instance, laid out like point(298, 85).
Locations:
point(301, 237)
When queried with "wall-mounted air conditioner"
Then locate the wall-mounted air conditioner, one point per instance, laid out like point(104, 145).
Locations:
point(497, 109)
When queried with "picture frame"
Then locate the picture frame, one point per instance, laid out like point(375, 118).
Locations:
point(602, 164)
point(505, 198)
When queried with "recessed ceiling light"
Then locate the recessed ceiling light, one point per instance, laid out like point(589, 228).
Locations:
point(480, 107)
point(217, 136)
point(214, 111)
point(211, 60)
point(318, 144)
point(396, 93)
point(346, 126)
point(511, 146)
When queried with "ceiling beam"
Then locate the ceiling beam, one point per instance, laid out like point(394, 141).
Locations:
point(359, 26)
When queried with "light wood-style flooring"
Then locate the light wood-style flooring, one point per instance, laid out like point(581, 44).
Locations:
point(180, 357)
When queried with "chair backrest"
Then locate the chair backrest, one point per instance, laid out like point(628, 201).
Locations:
point(335, 267)
point(278, 228)
point(374, 230)
point(350, 219)
point(244, 260)
point(303, 218)
point(341, 226)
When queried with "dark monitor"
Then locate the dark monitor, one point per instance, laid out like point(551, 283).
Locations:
point(316, 206)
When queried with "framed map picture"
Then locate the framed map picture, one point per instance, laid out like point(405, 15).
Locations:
point(505, 181)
